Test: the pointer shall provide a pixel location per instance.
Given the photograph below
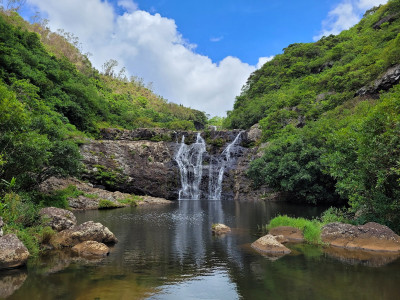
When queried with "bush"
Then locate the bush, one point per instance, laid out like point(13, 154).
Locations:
point(106, 204)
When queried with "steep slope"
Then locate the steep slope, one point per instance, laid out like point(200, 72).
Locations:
point(330, 113)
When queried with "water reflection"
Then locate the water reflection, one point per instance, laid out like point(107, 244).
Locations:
point(169, 252)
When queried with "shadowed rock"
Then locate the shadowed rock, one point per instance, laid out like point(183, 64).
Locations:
point(371, 236)
point(1, 226)
point(268, 244)
point(57, 218)
point(13, 253)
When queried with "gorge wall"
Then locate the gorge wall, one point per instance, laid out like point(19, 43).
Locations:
point(143, 162)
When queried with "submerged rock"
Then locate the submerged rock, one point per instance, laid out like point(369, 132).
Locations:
point(219, 229)
point(88, 231)
point(57, 218)
point(13, 253)
point(11, 281)
point(268, 244)
point(290, 233)
point(371, 236)
point(91, 249)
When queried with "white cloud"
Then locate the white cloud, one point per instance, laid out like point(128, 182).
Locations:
point(150, 47)
point(216, 39)
point(128, 5)
point(263, 60)
point(344, 15)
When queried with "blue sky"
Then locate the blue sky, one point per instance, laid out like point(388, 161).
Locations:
point(196, 53)
point(244, 29)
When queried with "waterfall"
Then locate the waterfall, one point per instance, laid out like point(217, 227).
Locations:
point(190, 163)
point(190, 160)
point(216, 177)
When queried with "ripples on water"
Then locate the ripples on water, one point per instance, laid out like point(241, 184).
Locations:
point(168, 252)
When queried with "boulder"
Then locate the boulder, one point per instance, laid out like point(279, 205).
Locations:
point(254, 133)
point(88, 231)
point(11, 281)
point(57, 218)
point(1, 226)
point(371, 236)
point(290, 233)
point(91, 249)
point(13, 253)
point(218, 229)
point(268, 244)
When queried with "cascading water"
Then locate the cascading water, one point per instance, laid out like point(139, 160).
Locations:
point(190, 161)
point(216, 176)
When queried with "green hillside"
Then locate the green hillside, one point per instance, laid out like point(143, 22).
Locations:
point(330, 112)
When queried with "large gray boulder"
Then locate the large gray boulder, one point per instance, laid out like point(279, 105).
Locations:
point(371, 236)
point(57, 218)
point(88, 231)
point(13, 253)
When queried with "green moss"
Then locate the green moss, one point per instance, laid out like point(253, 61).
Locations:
point(59, 198)
point(107, 204)
point(132, 201)
point(109, 177)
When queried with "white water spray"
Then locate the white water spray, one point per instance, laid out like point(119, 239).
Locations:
point(190, 160)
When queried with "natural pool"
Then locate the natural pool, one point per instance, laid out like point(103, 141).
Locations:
point(168, 252)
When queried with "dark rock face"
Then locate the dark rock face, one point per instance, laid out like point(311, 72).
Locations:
point(57, 218)
point(389, 18)
point(143, 162)
point(88, 231)
point(13, 253)
point(371, 236)
point(385, 82)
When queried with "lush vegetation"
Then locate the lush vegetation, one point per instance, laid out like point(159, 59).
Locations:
point(51, 100)
point(326, 142)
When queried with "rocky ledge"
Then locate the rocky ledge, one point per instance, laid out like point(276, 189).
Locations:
point(371, 236)
point(58, 219)
point(91, 196)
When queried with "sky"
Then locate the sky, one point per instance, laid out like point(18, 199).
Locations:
point(196, 53)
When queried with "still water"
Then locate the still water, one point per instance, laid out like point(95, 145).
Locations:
point(168, 252)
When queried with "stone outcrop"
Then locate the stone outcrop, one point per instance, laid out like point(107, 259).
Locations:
point(57, 218)
point(88, 231)
point(268, 244)
point(385, 82)
point(1, 226)
point(90, 249)
point(387, 19)
point(11, 281)
point(290, 233)
point(13, 253)
point(142, 161)
point(219, 229)
point(91, 195)
point(371, 236)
